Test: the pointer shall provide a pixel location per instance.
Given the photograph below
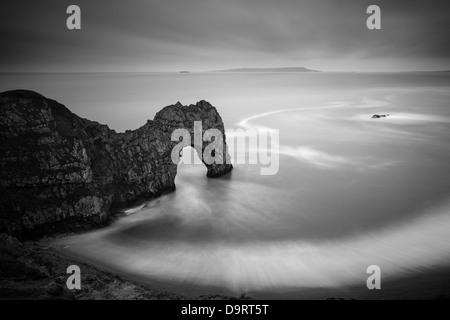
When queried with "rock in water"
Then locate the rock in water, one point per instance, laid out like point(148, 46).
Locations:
point(378, 116)
point(60, 172)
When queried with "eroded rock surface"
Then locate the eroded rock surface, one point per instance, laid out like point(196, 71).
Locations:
point(60, 172)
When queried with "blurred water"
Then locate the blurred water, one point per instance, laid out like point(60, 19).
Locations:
point(351, 191)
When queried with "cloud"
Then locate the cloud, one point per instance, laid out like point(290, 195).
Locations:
point(210, 34)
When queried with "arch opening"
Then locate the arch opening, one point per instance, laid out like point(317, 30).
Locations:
point(190, 168)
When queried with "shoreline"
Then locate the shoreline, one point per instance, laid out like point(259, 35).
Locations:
point(37, 271)
point(426, 284)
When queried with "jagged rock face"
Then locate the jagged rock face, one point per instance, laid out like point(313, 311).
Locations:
point(62, 172)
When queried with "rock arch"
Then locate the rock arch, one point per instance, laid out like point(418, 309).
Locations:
point(60, 170)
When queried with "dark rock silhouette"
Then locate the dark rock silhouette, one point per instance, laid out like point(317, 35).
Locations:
point(378, 116)
point(60, 172)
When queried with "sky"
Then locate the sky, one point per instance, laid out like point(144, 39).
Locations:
point(203, 35)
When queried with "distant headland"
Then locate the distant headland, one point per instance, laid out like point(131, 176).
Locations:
point(261, 70)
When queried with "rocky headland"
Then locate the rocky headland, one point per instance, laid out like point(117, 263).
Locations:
point(63, 173)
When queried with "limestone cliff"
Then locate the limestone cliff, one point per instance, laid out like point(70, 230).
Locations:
point(63, 172)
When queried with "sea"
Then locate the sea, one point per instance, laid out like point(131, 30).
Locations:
point(350, 192)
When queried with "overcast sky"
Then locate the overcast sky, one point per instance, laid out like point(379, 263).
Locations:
point(200, 35)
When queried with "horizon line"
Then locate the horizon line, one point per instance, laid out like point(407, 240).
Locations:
point(186, 71)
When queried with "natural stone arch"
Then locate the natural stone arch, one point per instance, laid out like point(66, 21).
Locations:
point(187, 117)
point(73, 171)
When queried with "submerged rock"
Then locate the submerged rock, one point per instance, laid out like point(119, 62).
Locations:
point(60, 172)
